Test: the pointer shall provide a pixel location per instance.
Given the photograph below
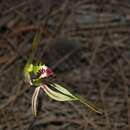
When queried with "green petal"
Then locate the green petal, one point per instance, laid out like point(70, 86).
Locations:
point(81, 100)
point(90, 106)
point(28, 68)
point(62, 90)
point(34, 101)
point(36, 68)
point(57, 95)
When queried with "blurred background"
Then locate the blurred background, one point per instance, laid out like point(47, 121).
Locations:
point(87, 44)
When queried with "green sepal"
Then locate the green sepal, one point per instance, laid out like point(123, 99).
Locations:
point(63, 90)
point(37, 81)
point(36, 68)
point(58, 96)
point(34, 101)
point(28, 68)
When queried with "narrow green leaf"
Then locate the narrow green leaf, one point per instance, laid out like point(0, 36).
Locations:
point(57, 95)
point(34, 100)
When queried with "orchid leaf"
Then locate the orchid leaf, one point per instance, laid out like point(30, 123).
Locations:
point(34, 100)
point(57, 95)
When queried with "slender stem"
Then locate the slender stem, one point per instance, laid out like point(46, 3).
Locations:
point(34, 46)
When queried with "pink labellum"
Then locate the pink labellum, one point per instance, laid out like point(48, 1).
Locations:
point(45, 72)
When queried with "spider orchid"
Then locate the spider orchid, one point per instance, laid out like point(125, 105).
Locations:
point(42, 71)
point(53, 90)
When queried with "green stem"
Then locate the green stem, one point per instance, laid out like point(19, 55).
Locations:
point(34, 46)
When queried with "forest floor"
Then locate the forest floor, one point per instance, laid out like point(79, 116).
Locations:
point(87, 44)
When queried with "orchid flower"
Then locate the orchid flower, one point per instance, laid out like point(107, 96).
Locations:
point(53, 90)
